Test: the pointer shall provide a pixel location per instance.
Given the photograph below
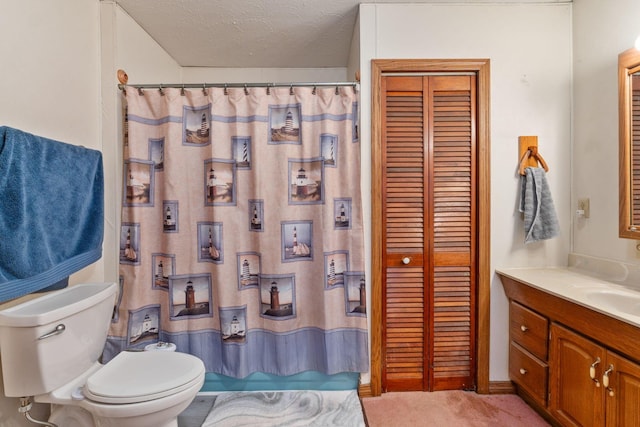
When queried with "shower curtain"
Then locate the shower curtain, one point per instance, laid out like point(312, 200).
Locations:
point(241, 238)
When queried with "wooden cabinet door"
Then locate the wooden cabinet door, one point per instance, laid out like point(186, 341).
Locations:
point(575, 398)
point(623, 393)
point(429, 235)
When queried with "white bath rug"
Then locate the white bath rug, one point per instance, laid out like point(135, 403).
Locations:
point(286, 409)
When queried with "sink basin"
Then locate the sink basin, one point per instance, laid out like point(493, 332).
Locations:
point(615, 300)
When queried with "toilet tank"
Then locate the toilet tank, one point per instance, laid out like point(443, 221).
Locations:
point(50, 340)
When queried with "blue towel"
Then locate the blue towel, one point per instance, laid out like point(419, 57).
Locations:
point(540, 220)
point(51, 212)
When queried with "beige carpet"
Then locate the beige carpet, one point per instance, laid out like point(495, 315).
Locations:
point(449, 409)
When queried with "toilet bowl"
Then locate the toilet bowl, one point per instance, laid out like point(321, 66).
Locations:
point(50, 348)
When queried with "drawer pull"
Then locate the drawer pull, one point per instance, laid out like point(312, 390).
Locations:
point(605, 376)
point(605, 380)
point(592, 369)
point(523, 371)
point(406, 260)
point(524, 328)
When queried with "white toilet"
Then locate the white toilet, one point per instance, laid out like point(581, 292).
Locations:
point(50, 348)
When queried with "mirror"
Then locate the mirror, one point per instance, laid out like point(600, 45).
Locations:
point(629, 149)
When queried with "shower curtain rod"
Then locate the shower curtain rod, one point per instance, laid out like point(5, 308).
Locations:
point(233, 85)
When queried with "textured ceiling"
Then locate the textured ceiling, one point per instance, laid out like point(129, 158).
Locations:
point(258, 33)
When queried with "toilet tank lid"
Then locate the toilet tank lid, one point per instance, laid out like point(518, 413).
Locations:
point(56, 305)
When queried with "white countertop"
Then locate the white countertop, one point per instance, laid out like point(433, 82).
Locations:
point(613, 299)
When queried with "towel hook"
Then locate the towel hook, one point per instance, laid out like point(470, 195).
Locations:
point(532, 152)
point(529, 154)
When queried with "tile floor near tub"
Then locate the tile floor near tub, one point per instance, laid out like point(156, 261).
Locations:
point(280, 408)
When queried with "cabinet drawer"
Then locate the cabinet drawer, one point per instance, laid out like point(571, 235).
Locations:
point(529, 329)
point(529, 372)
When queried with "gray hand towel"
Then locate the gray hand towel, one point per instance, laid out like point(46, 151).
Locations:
point(540, 220)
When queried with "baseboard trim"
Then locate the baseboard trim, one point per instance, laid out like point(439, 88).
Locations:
point(364, 390)
point(501, 387)
point(495, 387)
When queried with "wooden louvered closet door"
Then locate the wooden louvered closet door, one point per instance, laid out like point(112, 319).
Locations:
point(428, 209)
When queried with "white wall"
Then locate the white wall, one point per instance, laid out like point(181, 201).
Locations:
point(49, 86)
point(353, 62)
point(529, 47)
point(602, 29)
point(124, 45)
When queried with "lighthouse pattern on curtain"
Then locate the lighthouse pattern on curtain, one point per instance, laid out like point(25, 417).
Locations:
point(241, 238)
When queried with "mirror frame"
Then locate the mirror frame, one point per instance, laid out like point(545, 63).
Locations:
point(628, 63)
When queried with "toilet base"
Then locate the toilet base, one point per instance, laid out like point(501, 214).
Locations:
point(75, 416)
point(72, 416)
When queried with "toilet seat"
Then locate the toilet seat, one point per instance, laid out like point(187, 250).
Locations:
point(133, 377)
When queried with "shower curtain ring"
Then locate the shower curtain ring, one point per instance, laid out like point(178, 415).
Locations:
point(160, 89)
point(140, 92)
point(291, 90)
point(246, 91)
point(268, 90)
point(337, 91)
point(204, 88)
point(313, 92)
point(225, 89)
point(182, 91)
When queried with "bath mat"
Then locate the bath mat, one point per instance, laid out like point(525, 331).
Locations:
point(287, 409)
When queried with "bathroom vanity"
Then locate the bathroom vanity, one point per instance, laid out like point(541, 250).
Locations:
point(574, 346)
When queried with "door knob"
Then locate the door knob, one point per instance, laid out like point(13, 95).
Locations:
point(406, 260)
